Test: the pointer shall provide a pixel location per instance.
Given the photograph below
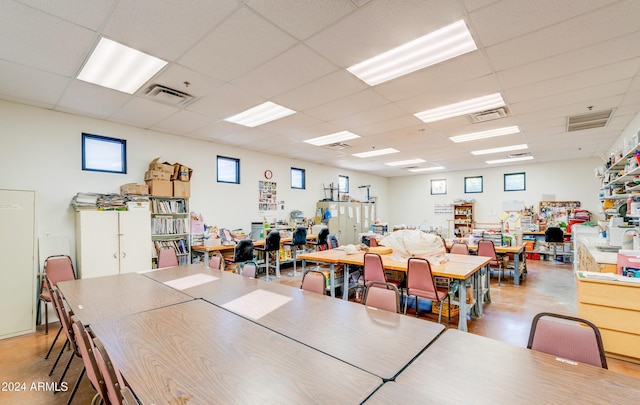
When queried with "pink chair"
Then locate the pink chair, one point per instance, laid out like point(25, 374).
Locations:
point(373, 242)
point(167, 258)
point(90, 365)
point(248, 270)
point(56, 268)
point(214, 262)
point(314, 281)
point(381, 295)
point(113, 380)
point(374, 270)
point(567, 337)
point(65, 322)
point(420, 283)
point(127, 397)
point(486, 249)
point(459, 249)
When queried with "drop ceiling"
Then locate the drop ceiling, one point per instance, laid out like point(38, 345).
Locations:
point(549, 59)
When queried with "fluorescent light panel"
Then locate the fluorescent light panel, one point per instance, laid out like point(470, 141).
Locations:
point(332, 138)
point(405, 162)
point(119, 67)
point(260, 114)
point(426, 169)
point(493, 162)
point(461, 108)
point(435, 47)
point(498, 150)
point(474, 136)
point(376, 152)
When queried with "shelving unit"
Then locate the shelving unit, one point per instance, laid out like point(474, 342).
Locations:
point(618, 182)
point(462, 218)
point(170, 227)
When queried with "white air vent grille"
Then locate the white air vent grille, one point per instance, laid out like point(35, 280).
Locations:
point(169, 96)
point(337, 146)
point(588, 121)
point(518, 155)
point(488, 115)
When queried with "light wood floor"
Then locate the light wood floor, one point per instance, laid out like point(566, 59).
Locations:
point(508, 318)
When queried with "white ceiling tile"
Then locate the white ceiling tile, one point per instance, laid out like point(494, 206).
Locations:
point(87, 13)
point(357, 102)
point(30, 84)
point(143, 113)
point(225, 101)
point(97, 101)
point(182, 121)
point(372, 116)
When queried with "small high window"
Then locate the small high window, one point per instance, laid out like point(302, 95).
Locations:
point(297, 178)
point(104, 154)
point(228, 170)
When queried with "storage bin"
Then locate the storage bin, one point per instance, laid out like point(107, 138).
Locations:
point(435, 308)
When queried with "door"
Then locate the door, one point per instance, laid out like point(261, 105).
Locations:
point(17, 263)
point(97, 241)
point(135, 241)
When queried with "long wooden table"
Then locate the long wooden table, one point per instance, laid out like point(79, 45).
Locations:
point(459, 267)
point(379, 342)
point(198, 353)
point(519, 256)
point(94, 299)
point(463, 368)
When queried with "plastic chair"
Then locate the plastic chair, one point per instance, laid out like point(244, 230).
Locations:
point(90, 365)
point(382, 296)
point(56, 268)
point(420, 283)
point(248, 270)
point(299, 238)
point(554, 236)
point(114, 383)
point(486, 249)
point(568, 337)
point(167, 257)
point(459, 249)
point(314, 281)
point(321, 242)
point(270, 249)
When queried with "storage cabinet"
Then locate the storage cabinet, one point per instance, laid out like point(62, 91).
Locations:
point(462, 218)
point(348, 219)
point(170, 227)
point(112, 242)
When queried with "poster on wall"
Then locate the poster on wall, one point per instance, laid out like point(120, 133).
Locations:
point(268, 196)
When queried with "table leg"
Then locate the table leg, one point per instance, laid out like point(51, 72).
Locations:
point(516, 269)
point(487, 285)
point(332, 279)
point(345, 286)
point(477, 292)
point(206, 259)
point(462, 316)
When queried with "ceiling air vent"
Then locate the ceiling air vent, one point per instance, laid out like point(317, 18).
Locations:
point(169, 96)
point(488, 115)
point(337, 146)
point(518, 155)
point(588, 121)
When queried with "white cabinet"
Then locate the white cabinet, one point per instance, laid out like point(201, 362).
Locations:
point(17, 258)
point(112, 242)
point(348, 219)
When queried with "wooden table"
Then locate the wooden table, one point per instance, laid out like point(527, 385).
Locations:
point(519, 255)
point(345, 330)
point(463, 368)
point(94, 299)
point(198, 353)
point(459, 267)
point(332, 257)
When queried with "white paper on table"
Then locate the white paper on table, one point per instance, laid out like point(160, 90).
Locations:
point(190, 281)
point(257, 303)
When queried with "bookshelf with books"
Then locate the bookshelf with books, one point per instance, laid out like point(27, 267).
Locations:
point(170, 227)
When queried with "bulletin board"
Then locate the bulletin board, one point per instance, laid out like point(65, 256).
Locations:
point(558, 210)
point(268, 196)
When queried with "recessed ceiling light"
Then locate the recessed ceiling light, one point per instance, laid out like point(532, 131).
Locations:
point(493, 162)
point(405, 162)
point(375, 152)
point(332, 138)
point(260, 114)
point(485, 134)
point(461, 108)
point(426, 169)
point(498, 150)
point(119, 67)
point(435, 47)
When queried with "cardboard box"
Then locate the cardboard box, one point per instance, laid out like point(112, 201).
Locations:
point(157, 175)
point(138, 205)
point(160, 188)
point(181, 188)
point(155, 165)
point(133, 188)
point(181, 172)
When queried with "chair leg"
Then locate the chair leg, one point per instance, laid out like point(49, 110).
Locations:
point(75, 387)
point(53, 343)
point(499, 268)
point(416, 306)
point(406, 301)
point(46, 318)
point(58, 358)
point(66, 368)
point(439, 312)
point(449, 311)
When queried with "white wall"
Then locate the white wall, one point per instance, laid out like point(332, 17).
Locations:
point(41, 151)
point(573, 180)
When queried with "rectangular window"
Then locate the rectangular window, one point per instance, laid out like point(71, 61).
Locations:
point(343, 184)
point(228, 170)
point(297, 178)
point(104, 154)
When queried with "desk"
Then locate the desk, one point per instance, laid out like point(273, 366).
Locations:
point(345, 330)
point(198, 353)
point(463, 368)
point(518, 252)
point(94, 299)
point(332, 257)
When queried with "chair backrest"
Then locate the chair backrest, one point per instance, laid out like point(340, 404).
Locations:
point(323, 235)
point(382, 296)
point(314, 281)
point(553, 234)
point(113, 380)
point(64, 316)
point(486, 249)
point(248, 270)
point(459, 249)
point(332, 241)
point(272, 242)
point(167, 257)
point(373, 269)
point(299, 236)
point(59, 268)
point(214, 261)
point(419, 277)
point(372, 241)
point(243, 251)
point(567, 337)
point(127, 397)
point(88, 358)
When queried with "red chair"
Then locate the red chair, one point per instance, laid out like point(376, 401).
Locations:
point(65, 321)
point(90, 365)
point(486, 249)
point(459, 249)
point(56, 268)
point(167, 257)
point(420, 283)
point(113, 380)
point(383, 296)
point(214, 262)
point(373, 241)
point(567, 337)
point(248, 270)
point(314, 281)
point(374, 270)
